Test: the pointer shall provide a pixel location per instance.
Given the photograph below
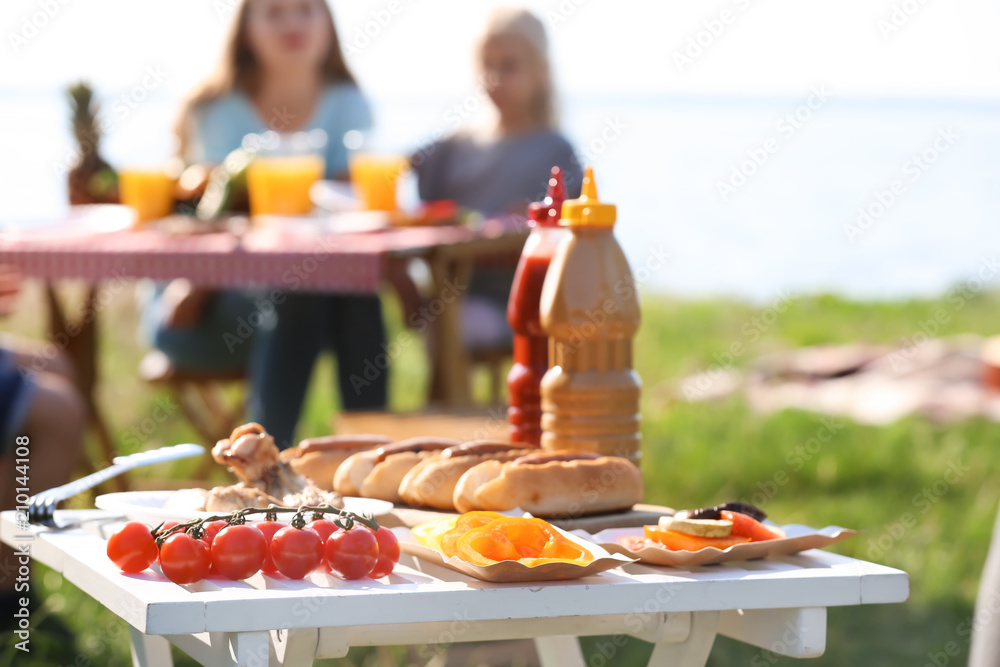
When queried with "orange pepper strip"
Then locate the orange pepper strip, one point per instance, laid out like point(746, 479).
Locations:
point(678, 541)
point(530, 541)
point(466, 522)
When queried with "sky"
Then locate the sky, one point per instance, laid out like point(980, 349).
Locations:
point(867, 47)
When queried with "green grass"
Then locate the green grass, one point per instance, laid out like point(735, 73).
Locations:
point(864, 477)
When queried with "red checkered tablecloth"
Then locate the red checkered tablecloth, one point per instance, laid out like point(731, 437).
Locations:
point(354, 262)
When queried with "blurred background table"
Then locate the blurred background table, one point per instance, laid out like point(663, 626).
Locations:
point(269, 258)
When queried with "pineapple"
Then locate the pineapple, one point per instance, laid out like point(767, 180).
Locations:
point(91, 179)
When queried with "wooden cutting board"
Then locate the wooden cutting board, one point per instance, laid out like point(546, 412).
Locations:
point(639, 515)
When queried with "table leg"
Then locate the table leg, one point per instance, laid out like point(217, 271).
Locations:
point(82, 348)
point(295, 647)
point(561, 651)
point(251, 649)
point(449, 360)
point(150, 650)
point(693, 651)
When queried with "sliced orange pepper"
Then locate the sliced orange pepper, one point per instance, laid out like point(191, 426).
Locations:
point(483, 547)
point(429, 534)
point(530, 541)
point(463, 524)
point(678, 541)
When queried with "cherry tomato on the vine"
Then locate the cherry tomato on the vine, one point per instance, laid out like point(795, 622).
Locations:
point(269, 528)
point(133, 548)
point(324, 528)
point(211, 529)
point(184, 560)
point(167, 525)
point(296, 552)
point(351, 554)
point(238, 551)
point(388, 553)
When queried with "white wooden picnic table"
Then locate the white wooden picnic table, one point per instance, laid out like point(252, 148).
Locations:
point(778, 605)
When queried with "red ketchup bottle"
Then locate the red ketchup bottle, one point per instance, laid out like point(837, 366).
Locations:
point(531, 344)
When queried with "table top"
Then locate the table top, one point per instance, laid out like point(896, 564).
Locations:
point(420, 592)
point(260, 258)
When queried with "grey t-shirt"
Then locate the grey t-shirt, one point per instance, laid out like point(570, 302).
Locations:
point(495, 176)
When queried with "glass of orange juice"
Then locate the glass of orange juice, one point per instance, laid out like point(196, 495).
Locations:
point(283, 170)
point(375, 177)
point(148, 192)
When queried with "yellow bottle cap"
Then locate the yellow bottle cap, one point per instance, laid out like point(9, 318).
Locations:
point(588, 210)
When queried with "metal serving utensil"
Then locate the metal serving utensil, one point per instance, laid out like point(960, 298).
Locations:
point(41, 506)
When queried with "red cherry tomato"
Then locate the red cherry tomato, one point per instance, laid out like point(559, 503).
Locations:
point(184, 560)
point(324, 528)
point(388, 553)
point(167, 525)
point(269, 528)
point(133, 548)
point(296, 552)
point(351, 554)
point(212, 529)
point(239, 551)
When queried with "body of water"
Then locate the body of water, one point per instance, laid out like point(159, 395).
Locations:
point(745, 196)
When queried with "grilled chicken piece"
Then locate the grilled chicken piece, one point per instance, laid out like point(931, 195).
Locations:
point(223, 499)
point(250, 453)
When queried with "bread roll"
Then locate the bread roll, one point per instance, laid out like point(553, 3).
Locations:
point(464, 497)
point(432, 482)
point(353, 471)
point(385, 467)
point(319, 458)
point(383, 481)
point(562, 484)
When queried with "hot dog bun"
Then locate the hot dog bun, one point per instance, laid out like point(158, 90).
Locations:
point(559, 484)
point(319, 458)
point(377, 473)
point(432, 482)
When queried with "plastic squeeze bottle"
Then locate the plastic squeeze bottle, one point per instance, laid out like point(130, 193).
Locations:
point(531, 344)
point(590, 310)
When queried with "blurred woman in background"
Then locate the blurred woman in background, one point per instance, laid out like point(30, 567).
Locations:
point(282, 69)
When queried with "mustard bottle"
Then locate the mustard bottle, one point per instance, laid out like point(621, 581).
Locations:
point(590, 311)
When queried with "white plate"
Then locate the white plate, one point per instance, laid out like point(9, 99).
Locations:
point(147, 507)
